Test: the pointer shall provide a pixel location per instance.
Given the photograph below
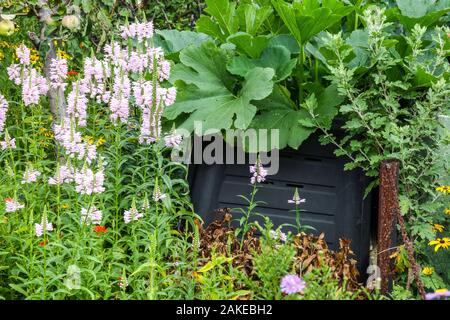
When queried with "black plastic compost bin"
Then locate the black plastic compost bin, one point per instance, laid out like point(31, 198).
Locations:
point(334, 197)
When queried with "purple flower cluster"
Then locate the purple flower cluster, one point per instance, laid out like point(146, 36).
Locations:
point(12, 205)
point(77, 103)
point(8, 143)
point(139, 31)
point(296, 198)
point(259, 173)
point(292, 283)
point(30, 176)
point(23, 53)
point(173, 140)
point(132, 215)
point(88, 182)
point(58, 73)
point(39, 227)
point(3, 111)
point(278, 235)
point(64, 174)
point(157, 194)
point(91, 215)
point(33, 84)
point(72, 142)
point(438, 294)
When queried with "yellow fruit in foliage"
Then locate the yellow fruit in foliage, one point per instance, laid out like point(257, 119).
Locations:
point(71, 22)
point(6, 27)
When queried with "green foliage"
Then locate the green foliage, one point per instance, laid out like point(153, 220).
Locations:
point(99, 19)
point(249, 36)
point(396, 86)
point(423, 12)
point(322, 286)
point(307, 18)
point(209, 89)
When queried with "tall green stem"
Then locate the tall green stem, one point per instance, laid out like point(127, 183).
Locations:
point(300, 80)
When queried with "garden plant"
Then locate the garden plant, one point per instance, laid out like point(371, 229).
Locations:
point(94, 97)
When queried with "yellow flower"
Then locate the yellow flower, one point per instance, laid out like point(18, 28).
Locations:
point(441, 290)
point(89, 139)
point(438, 227)
point(46, 133)
point(447, 211)
point(2, 56)
point(34, 56)
point(427, 271)
point(5, 44)
point(62, 54)
point(443, 189)
point(65, 206)
point(100, 141)
point(440, 243)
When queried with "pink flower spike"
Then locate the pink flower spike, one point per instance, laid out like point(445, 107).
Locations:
point(23, 53)
point(12, 205)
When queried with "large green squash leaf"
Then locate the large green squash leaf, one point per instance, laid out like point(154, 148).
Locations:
point(277, 58)
point(248, 44)
point(423, 12)
point(307, 18)
point(175, 41)
point(252, 16)
point(223, 21)
point(206, 90)
point(279, 112)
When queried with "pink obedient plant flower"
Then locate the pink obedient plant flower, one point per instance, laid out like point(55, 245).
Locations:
point(3, 111)
point(12, 205)
point(64, 174)
point(8, 143)
point(58, 73)
point(296, 198)
point(91, 215)
point(140, 31)
point(157, 194)
point(88, 182)
point(30, 175)
point(173, 140)
point(258, 171)
point(23, 53)
point(132, 215)
point(43, 226)
point(278, 235)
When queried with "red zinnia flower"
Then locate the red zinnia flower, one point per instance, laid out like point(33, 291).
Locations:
point(72, 73)
point(8, 199)
point(100, 229)
point(43, 243)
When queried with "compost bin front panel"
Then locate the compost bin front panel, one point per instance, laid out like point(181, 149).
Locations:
point(334, 197)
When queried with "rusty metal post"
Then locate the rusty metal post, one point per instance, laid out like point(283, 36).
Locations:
point(388, 201)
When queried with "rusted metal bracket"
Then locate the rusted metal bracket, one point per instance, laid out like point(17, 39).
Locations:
point(387, 202)
point(388, 215)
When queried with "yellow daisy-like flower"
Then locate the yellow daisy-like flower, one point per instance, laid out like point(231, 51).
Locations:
point(65, 206)
point(427, 271)
point(34, 56)
point(89, 139)
point(62, 54)
point(100, 141)
point(443, 189)
point(46, 133)
point(438, 227)
point(438, 243)
point(5, 44)
point(441, 290)
point(447, 211)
